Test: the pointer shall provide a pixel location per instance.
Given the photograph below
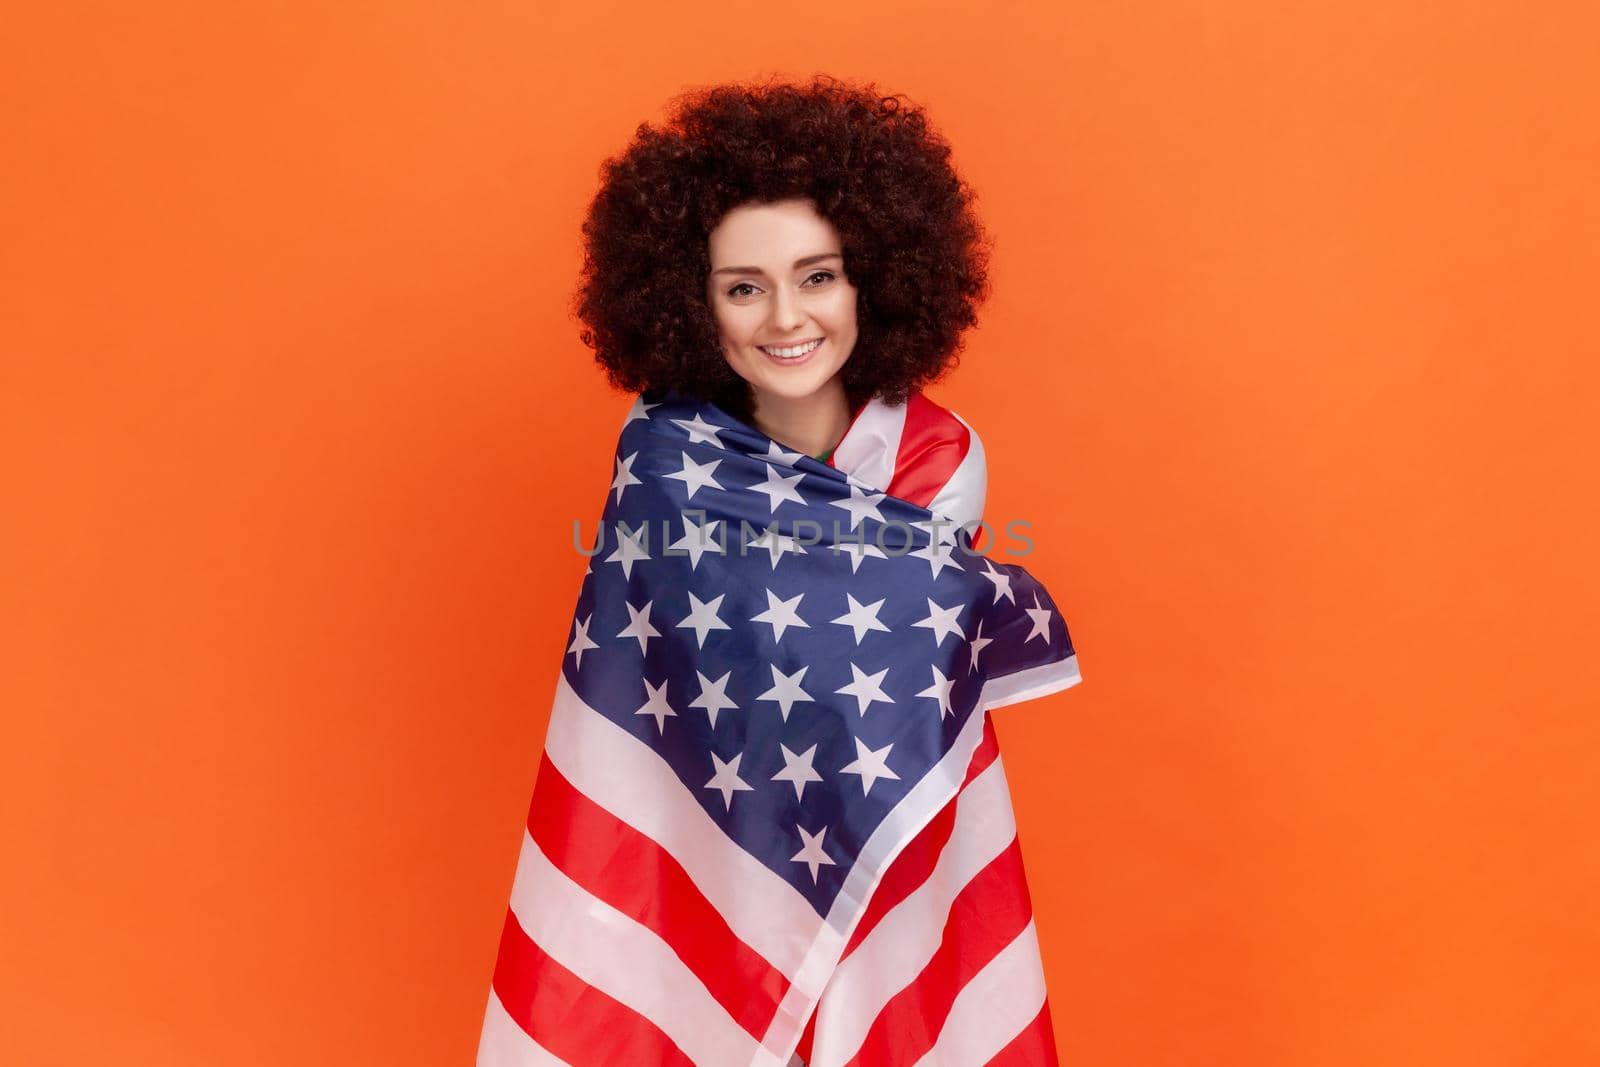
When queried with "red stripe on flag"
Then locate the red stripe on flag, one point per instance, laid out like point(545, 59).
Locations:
point(569, 1017)
point(932, 446)
point(615, 863)
point(1035, 1046)
point(985, 917)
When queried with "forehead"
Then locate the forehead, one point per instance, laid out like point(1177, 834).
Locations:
point(773, 233)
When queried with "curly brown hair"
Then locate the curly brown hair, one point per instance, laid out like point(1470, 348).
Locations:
point(870, 164)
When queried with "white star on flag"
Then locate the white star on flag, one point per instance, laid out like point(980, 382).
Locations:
point(861, 617)
point(779, 488)
point(976, 646)
point(781, 614)
point(640, 410)
point(657, 705)
point(797, 769)
point(941, 620)
point(700, 430)
point(581, 641)
point(860, 505)
point(639, 626)
point(940, 691)
point(776, 544)
point(786, 689)
point(812, 854)
point(870, 765)
point(938, 554)
point(702, 617)
point(697, 540)
point(866, 688)
point(727, 778)
point(1002, 583)
point(776, 453)
point(630, 548)
point(696, 475)
point(625, 476)
point(713, 696)
point(859, 550)
point(1041, 622)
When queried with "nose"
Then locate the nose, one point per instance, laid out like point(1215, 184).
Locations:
point(786, 311)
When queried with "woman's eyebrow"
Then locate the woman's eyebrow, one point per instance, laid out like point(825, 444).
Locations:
point(806, 262)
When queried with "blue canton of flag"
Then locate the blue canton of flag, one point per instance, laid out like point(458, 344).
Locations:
point(800, 649)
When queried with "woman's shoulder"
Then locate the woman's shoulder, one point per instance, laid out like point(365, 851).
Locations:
point(930, 424)
point(920, 451)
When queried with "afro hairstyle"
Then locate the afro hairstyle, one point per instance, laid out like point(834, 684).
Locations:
point(870, 164)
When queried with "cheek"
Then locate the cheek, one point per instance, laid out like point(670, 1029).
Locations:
point(731, 326)
point(842, 314)
point(848, 296)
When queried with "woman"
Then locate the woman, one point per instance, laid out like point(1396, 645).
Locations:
point(770, 825)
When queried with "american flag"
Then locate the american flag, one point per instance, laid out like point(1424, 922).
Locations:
point(770, 825)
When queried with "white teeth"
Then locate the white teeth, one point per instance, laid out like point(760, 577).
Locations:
point(790, 353)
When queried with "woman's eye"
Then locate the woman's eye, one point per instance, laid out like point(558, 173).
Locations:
point(737, 290)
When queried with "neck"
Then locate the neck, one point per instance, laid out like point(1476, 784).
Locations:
point(810, 425)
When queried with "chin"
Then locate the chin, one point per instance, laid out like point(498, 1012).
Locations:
point(792, 390)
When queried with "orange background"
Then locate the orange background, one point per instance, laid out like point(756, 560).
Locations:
point(1290, 363)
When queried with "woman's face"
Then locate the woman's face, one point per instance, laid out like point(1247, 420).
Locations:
point(777, 284)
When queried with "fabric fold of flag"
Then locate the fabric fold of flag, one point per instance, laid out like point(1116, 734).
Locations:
point(770, 825)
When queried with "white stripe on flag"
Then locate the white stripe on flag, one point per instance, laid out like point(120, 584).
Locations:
point(625, 960)
point(962, 497)
point(993, 1008)
point(1030, 684)
point(900, 946)
point(623, 775)
point(871, 447)
point(505, 1044)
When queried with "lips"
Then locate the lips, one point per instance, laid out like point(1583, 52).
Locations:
point(789, 345)
point(793, 361)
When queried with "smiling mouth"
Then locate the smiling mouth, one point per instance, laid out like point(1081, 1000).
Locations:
point(794, 351)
